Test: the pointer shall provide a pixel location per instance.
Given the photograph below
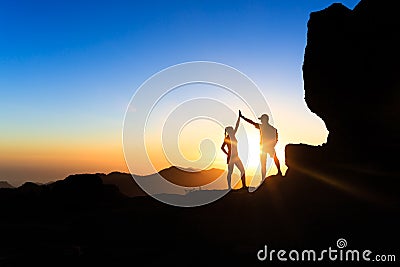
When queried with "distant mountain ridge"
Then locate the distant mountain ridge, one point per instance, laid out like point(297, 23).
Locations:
point(5, 184)
point(88, 183)
point(176, 175)
point(125, 183)
point(190, 177)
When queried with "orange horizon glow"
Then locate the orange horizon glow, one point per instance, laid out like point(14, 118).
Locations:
point(42, 160)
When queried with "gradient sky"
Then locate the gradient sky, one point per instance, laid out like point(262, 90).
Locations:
point(68, 70)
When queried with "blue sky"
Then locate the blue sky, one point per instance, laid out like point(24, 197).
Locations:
point(69, 68)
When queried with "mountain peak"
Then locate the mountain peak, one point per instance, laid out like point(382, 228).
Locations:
point(5, 184)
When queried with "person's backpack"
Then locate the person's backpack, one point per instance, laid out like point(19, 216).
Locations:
point(269, 135)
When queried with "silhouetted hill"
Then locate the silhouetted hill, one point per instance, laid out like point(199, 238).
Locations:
point(289, 213)
point(190, 178)
point(5, 184)
point(30, 188)
point(125, 183)
point(79, 189)
point(176, 175)
point(94, 186)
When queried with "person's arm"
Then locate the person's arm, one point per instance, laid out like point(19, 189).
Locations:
point(228, 157)
point(249, 121)
point(223, 148)
point(237, 125)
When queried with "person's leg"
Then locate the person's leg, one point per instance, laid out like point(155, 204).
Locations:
point(278, 165)
point(263, 159)
point(229, 175)
point(239, 165)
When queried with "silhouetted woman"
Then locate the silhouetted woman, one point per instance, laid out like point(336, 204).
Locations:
point(233, 157)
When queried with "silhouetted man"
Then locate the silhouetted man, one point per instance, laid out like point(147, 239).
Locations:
point(268, 140)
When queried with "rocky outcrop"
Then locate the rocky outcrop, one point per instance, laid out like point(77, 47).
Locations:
point(351, 80)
